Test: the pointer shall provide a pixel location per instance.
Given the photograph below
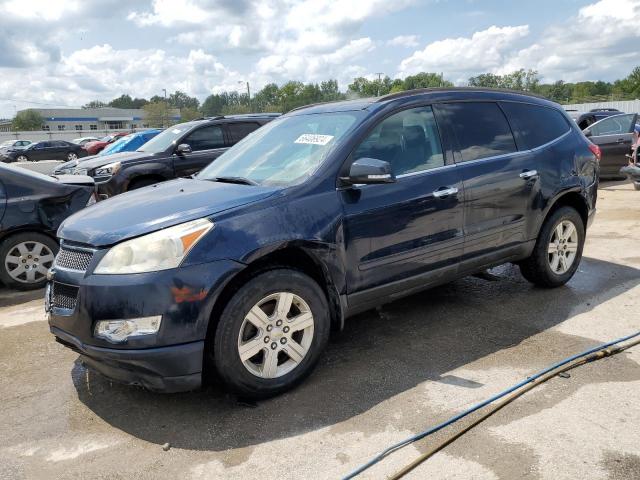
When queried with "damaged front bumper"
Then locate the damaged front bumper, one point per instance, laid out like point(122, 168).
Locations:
point(170, 360)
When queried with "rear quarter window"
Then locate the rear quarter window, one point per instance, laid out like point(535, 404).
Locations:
point(534, 125)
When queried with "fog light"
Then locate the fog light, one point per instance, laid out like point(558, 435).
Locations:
point(118, 331)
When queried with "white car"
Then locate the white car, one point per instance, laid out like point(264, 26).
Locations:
point(83, 140)
point(14, 144)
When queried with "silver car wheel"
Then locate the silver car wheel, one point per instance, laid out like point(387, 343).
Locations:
point(276, 335)
point(72, 156)
point(22, 158)
point(563, 247)
point(29, 262)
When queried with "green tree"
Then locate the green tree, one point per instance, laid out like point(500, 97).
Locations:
point(27, 120)
point(425, 80)
point(123, 101)
point(187, 114)
point(181, 100)
point(95, 104)
point(156, 114)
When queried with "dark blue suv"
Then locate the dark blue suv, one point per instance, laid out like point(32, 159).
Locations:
point(324, 212)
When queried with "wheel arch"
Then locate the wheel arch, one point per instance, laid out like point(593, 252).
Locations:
point(571, 198)
point(294, 256)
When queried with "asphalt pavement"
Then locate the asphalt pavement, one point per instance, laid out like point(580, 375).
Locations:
point(391, 373)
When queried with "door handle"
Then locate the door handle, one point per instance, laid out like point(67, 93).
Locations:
point(529, 174)
point(621, 140)
point(445, 192)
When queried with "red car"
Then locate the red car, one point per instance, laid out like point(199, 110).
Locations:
point(93, 148)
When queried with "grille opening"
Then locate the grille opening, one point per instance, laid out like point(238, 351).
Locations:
point(73, 259)
point(64, 296)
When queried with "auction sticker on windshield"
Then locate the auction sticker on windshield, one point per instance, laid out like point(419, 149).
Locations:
point(313, 139)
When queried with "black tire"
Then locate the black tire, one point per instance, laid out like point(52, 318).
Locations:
point(142, 182)
point(9, 244)
point(226, 356)
point(23, 157)
point(69, 158)
point(537, 268)
point(636, 185)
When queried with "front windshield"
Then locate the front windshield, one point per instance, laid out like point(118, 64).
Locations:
point(115, 146)
point(165, 139)
point(284, 152)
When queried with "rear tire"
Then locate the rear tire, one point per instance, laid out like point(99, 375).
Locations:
point(25, 259)
point(558, 250)
point(636, 185)
point(292, 315)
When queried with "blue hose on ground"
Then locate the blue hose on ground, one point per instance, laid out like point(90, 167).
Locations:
point(480, 405)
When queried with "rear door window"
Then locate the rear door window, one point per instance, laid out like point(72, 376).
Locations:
point(237, 131)
point(205, 138)
point(534, 125)
point(480, 128)
point(616, 125)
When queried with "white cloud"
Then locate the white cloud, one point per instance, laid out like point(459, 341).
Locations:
point(39, 9)
point(458, 57)
point(404, 41)
point(601, 41)
point(104, 72)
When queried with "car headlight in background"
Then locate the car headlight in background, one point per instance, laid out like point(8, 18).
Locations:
point(155, 251)
point(107, 170)
point(117, 331)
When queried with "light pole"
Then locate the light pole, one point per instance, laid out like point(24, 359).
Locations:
point(379, 82)
point(248, 93)
point(166, 110)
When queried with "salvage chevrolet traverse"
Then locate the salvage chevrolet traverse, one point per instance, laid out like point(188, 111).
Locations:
point(322, 213)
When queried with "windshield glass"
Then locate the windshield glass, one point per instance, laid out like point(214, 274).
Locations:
point(285, 151)
point(115, 146)
point(165, 139)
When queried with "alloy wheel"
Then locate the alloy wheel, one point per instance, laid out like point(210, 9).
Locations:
point(276, 335)
point(72, 156)
point(563, 247)
point(29, 262)
point(22, 158)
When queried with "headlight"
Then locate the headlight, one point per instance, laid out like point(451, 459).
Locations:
point(107, 170)
point(155, 251)
point(117, 331)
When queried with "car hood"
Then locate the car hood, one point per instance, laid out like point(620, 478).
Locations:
point(152, 208)
point(95, 161)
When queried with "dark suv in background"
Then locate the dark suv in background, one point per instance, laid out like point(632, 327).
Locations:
point(326, 211)
point(47, 150)
point(179, 151)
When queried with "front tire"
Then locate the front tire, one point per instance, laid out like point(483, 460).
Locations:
point(558, 250)
point(271, 333)
point(25, 259)
point(22, 158)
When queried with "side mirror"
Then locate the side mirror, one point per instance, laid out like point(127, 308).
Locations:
point(369, 171)
point(183, 148)
point(588, 133)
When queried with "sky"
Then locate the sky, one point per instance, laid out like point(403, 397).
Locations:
point(69, 52)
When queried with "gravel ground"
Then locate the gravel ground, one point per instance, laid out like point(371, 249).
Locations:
point(391, 373)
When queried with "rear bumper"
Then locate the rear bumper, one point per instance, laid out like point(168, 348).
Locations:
point(175, 368)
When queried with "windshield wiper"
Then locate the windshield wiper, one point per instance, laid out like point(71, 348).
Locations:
point(238, 180)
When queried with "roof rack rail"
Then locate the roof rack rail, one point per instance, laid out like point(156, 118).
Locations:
point(252, 115)
point(418, 91)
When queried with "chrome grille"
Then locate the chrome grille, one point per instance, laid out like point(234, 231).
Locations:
point(64, 296)
point(73, 259)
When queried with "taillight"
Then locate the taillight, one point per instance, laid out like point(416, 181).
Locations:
point(595, 149)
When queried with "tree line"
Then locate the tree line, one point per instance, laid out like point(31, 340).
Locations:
point(294, 94)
